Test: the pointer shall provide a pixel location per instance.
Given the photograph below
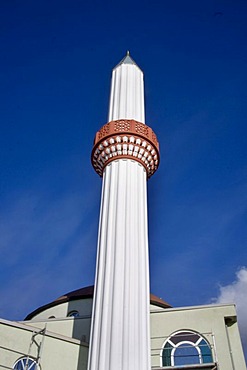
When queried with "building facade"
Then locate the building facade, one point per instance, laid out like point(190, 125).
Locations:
point(57, 336)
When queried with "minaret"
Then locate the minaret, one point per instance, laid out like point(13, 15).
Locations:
point(126, 154)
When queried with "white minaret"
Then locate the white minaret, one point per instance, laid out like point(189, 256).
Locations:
point(125, 153)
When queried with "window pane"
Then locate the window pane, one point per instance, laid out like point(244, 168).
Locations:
point(22, 362)
point(186, 354)
point(206, 352)
point(166, 355)
point(73, 314)
point(185, 336)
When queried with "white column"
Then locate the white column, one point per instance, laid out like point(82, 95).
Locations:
point(120, 334)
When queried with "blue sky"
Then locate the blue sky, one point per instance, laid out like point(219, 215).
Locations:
point(55, 69)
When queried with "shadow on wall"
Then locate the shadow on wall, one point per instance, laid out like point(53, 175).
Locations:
point(81, 311)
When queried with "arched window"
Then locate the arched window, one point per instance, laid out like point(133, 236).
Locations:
point(186, 348)
point(26, 363)
point(73, 314)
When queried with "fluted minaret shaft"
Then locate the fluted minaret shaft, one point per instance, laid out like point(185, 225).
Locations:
point(120, 333)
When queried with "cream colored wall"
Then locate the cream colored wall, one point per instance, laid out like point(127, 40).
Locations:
point(58, 311)
point(65, 346)
point(155, 308)
point(59, 352)
point(83, 306)
point(206, 320)
point(77, 328)
point(235, 344)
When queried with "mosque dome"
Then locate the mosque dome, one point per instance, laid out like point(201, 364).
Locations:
point(85, 294)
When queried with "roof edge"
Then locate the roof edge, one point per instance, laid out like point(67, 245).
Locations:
point(84, 293)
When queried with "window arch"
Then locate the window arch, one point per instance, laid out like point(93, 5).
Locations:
point(186, 348)
point(73, 313)
point(26, 363)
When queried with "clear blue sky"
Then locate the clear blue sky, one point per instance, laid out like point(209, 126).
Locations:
point(55, 69)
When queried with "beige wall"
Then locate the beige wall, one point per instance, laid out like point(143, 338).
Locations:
point(59, 352)
point(83, 306)
point(66, 340)
point(210, 321)
point(77, 328)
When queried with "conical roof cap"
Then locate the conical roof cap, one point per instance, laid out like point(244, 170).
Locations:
point(127, 60)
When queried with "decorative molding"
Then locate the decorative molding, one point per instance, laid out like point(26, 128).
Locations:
point(125, 139)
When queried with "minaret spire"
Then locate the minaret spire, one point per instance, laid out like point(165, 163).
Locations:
point(125, 153)
point(127, 60)
point(127, 91)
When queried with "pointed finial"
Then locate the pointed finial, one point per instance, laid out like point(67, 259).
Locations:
point(127, 60)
